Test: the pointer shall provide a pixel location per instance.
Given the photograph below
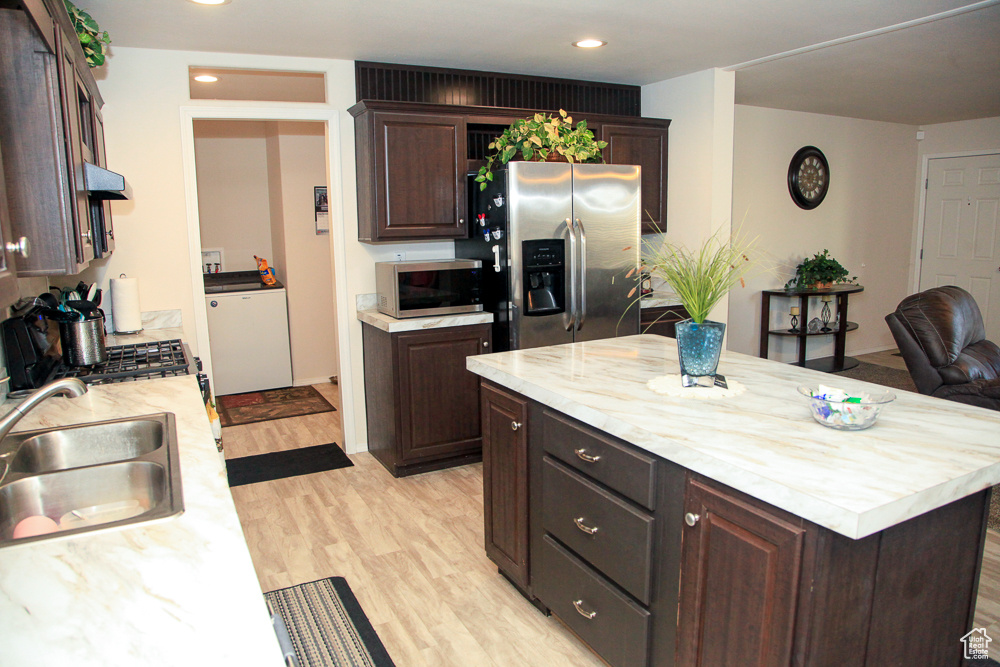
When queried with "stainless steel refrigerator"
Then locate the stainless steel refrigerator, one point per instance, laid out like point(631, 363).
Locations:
point(557, 241)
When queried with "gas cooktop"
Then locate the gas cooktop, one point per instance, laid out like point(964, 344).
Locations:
point(135, 361)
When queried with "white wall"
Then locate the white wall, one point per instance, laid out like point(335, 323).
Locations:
point(233, 194)
point(147, 95)
point(699, 176)
point(865, 221)
point(308, 272)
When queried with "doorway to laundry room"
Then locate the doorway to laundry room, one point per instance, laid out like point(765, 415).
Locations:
point(261, 190)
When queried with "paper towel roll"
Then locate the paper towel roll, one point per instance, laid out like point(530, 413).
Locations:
point(125, 311)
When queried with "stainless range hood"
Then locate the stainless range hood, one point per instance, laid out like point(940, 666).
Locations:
point(105, 184)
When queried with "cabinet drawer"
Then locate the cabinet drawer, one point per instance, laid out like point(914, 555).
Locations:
point(611, 624)
point(607, 532)
point(624, 469)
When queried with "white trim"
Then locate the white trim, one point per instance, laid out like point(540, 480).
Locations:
point(304, 382)
point(276, 112)
point(922, 207)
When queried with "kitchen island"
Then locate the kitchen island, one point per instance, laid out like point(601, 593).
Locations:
point(742, 532)
point(179, 591)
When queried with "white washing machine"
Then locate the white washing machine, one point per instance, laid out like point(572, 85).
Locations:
point(248, 333)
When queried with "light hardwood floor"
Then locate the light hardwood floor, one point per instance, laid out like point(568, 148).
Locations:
point(412, 551)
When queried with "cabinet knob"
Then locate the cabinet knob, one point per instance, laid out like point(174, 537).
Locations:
point(582, 454)
point(486, 343)
point(590, 530)
point(22, 247)
point(690, 518)
point(87, 236)
point(583, 612)
point(461, 221)
point(515, 425)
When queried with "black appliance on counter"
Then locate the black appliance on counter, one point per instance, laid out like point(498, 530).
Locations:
point(34, 357)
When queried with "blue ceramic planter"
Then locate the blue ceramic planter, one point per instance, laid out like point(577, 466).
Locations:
point(698, 348)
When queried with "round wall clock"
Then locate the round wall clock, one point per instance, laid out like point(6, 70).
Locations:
point(808, 177)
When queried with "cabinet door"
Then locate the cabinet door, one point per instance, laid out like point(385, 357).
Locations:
point(740, 567)
point(505, 481)
point(646, 147)
point(77, 128)
point(8, 270)
point(438, 397)
point(420, 168)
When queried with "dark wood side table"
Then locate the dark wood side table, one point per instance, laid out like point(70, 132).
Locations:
point(838, 362)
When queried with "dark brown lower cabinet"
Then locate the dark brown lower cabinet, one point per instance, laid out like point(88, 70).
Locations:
point(422, 404)
point(654, 565)
point(505, 482)
point(662, 321)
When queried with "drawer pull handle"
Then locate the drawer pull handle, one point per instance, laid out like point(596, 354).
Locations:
point(584, 527)
point(586, 614)
point(515, 425)
point(691, 518)
point(582, 453)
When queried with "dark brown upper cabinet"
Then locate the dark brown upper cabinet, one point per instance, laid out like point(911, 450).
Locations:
point(411, 175)
point(413, 160)
point(645, 146)
point(49, 126)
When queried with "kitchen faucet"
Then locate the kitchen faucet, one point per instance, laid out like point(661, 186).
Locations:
point(71, 387)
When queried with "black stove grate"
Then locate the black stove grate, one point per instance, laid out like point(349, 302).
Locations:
point(135, 361)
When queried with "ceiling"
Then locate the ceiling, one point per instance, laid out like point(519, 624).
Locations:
point(914, 61)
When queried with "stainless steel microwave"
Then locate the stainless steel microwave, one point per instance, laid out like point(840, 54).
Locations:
point(427, 288)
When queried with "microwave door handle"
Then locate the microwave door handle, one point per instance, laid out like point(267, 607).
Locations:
point(582, 273)
point(570, 322)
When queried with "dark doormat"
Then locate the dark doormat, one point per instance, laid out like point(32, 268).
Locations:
point(327, 626)
point(290, 463)
point(260, 406)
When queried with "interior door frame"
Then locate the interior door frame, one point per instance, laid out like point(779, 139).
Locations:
point(331, 118)
point(918, 243)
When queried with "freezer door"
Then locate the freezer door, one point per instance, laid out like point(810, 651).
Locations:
point(540, 201)
point(248, 335)
point(606, 206)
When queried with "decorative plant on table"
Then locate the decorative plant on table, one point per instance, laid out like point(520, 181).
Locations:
point(700, 279)
point(91, 37)
point(819, 271)
point(540, 138)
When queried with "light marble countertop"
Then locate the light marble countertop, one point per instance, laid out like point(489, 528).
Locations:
point(181, 591)
point(393, 325)
point(922, 453)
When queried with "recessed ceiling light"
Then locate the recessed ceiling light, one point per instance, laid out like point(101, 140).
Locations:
point(211, 2)
point(589, 43)
point(206, 78)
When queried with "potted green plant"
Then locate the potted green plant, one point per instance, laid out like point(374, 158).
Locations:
point(700, 279)
point(820, 271)
point(542, 137)
point(91, 37)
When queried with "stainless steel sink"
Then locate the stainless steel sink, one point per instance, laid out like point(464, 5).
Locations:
point(89, 477)
point(89, 444)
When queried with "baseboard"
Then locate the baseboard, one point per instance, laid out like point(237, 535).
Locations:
point(872, 350)
point(296, 382)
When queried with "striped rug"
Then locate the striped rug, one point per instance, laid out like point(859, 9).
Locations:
point(327, 626)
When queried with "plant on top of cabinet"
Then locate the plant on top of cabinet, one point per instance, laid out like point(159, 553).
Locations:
point(92, 38)
point(542, 138)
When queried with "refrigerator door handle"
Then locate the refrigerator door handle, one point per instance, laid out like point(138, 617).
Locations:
point(571, 231)
point(582, 274)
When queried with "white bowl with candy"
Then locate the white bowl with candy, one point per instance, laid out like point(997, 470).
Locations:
point(838, 409)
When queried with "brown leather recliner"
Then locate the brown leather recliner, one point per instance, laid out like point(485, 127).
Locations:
point(941, 336)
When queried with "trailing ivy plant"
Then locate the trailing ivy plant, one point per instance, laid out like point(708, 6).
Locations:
point(92, 38)
point(539, 137)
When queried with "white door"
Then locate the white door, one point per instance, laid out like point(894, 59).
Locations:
point(961, 244)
